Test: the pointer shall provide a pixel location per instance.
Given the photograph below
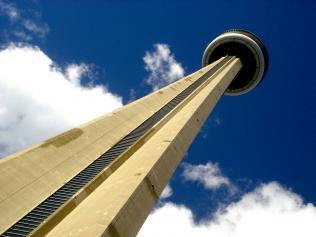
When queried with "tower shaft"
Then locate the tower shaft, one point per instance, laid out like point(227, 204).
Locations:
point(134, 151)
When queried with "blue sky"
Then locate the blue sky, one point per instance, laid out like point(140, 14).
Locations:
point(252, 140)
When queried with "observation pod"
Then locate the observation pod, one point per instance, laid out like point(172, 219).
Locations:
point(249, 49)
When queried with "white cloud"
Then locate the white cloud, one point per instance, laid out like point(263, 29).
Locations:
point(270, 210)
point(132, 95)
point(25, 23)
point(22, 35)
point(167, 192)
point(217, 121)
point(38, 100)
point(209, 175)
point(38, 29)
point(162, 67)
point(212, 122)
point(74, 72)
point(9, 10)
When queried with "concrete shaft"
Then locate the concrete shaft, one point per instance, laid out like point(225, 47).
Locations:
point(117, 200)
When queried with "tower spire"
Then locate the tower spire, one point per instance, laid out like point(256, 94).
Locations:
point(104, 177)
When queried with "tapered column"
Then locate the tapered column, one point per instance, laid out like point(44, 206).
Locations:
point(120, 205)
point(45, 183)
point(104, 177)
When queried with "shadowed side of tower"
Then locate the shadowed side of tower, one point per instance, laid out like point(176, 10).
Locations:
point(104, 177)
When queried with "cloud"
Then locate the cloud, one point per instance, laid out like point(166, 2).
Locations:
point(9, 10)
point(39, 100)
point(212, 122)
point(25, 24)
point(217, 121)
point(270, 210)
point(209, 175)
point(162, 67)
point(74, 72)
point(38, 29)
point(21, 35)
point(167, 192)
point(132, 95)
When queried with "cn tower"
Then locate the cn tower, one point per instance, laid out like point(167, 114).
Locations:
point(104, 177)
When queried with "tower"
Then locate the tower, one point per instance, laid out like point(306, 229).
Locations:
point(104, 177)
